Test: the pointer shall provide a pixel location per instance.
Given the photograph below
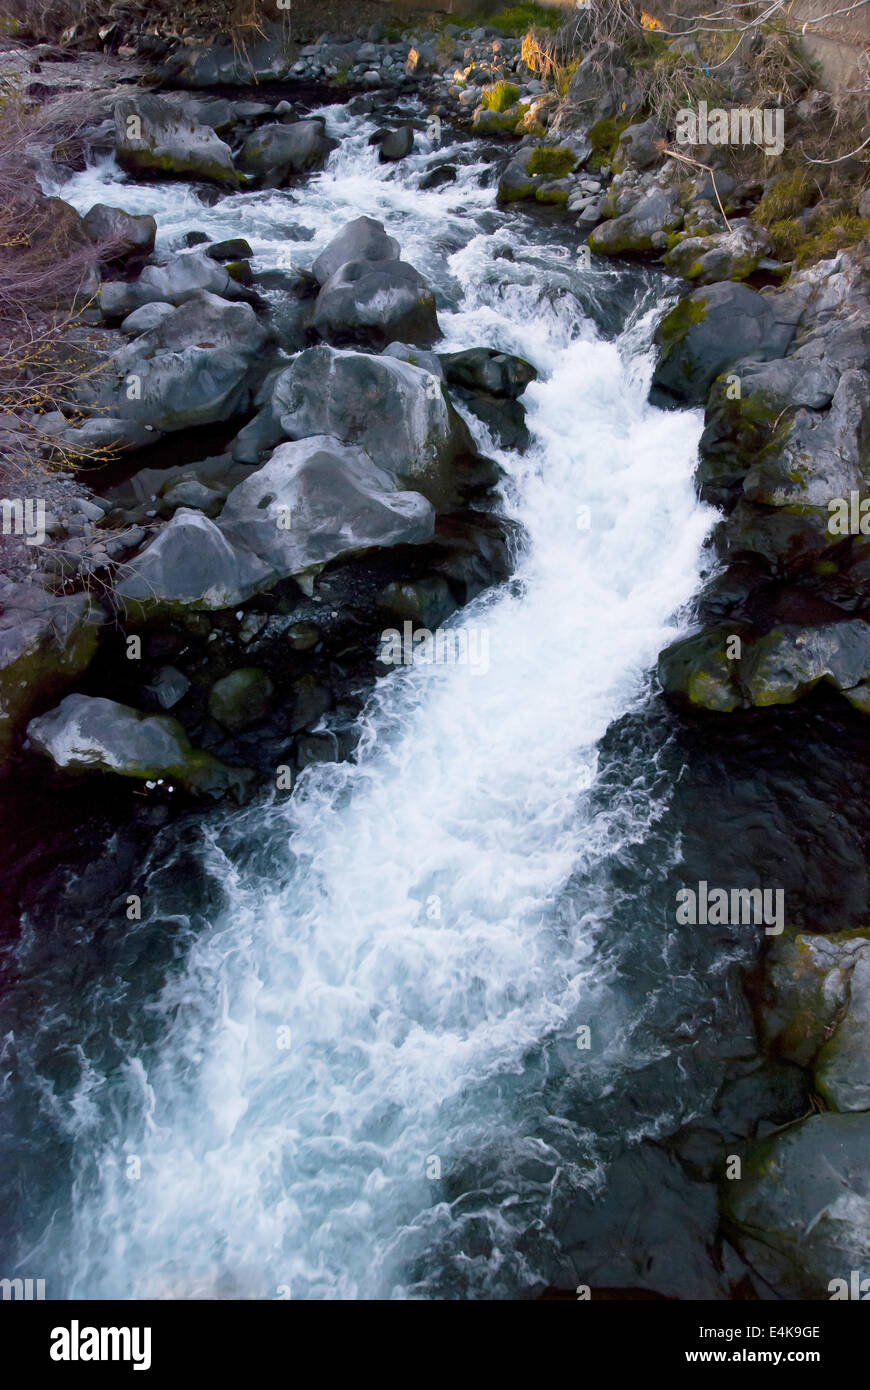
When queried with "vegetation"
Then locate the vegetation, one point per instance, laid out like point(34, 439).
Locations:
point(556, 162)
point(501, 96)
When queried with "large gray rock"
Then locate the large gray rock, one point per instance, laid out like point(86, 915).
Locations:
point(119, 234)
point(364, 239)
point(191, 564)
point(485, 369)
point(709, 331)
point(45, 642)
point(800, 1212)
point(373, 303)
point(155, 138)
point(195, 367)
point(319, 498)
point(87, 733)
point(805, 991)
point(395, 411)
point(721, 256)
point(180, 279)
point(277, 153)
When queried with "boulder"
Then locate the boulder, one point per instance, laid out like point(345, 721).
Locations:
point(643, 229)
point(842, 1070)
point(87, 733)
point(155, 138)
point(241, 699)
point(117, 234)
point(277, 153)
point(319, 498)
point(224, 64)
point(709, 331)
point(364, 239)
point(486, 369)
point(147, 317)
point(804, 991)
point(800, 1213)
point(372, 303)
point(396, 144)
point(640, 145)
point(395, 411)
point(190, 564)
point(45, 642)
point(722, 256)
point(196, 366)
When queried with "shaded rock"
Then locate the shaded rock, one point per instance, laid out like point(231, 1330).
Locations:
point(87, 733)
point(169, 686)
point(277, 153)
point(233, 249)
point(842, 1069)
point(153, 137)
point(485, 369)
point(373, 303)
point(364, 239)
point(640, 145)
point(119, 234)
point(147, 317)
point(105, 434)
point(241, 699)
point(45, 642)
point(441, 174)
point(267, 59)
point(800, 1213)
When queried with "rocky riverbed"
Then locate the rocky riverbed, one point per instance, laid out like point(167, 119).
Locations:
point(386, 335)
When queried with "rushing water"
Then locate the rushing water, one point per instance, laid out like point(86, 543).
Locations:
point(339, 1056)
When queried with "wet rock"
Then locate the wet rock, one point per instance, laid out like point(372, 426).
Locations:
point(152, 137)
point(118, 234)
point(241, 699)
point(842, 1066)
point(440, 175)
point(485, 369)
point(86, 733)
point(234, 249)
point(277, 153)
point(45, 642)
point(372, 303)
point(169, 686)
point(364, 239)
point(800, 1213)
point(396, 144)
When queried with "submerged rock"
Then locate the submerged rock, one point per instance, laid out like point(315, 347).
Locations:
point(241, 699)
point(87, 733)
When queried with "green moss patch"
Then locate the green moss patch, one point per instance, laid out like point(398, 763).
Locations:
point(500, 96)
point(556, 162)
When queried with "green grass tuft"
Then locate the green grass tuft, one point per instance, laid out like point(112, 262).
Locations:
point(500, 96)
point(556, 162)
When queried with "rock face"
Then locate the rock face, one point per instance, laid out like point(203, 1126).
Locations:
point(195, 366)
point(153, 137)
point(364, 239)
point(395, 411)
point(269, 59)
point(319, 498)
point(800, 1214)
point(489, 382)
point(711, 330)
point(373, 303)
point(88, 733)
point(774, 668)
point(643, 228)
point(119, 235)
point(277, 153)
point(721, 256)
point(45, 642)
